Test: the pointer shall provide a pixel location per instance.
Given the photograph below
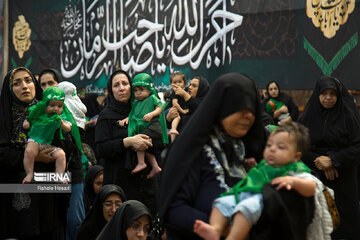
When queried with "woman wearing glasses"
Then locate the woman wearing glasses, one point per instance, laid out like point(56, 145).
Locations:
point(109, 198)
point(132, 221)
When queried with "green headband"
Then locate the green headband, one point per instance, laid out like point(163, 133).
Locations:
point(53, 93)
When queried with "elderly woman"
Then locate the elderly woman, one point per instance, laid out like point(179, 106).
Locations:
point(119, 150)
point(212, 153)
point(334, 125)
point(277, 98)
point(132, 221)
point(41, 216)
point(109, 198)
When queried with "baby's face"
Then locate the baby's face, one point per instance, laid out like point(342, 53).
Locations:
point(141, 93)
point(281, 150)
point(178, 81)
point(55, 107)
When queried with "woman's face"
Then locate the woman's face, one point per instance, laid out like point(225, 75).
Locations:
point(47, 80)
point(238, 123)
point(121, 88)
point(111, 203)
point(98, 182)
point(23, 86)
point(194, 87)
point(138, 229)
point(273, 90)
point(328, 98)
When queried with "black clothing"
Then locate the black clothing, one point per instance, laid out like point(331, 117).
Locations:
point(89, 194)
point(284, 98)
point(335, 133)
point(194, 166)
point(118, 160)
point(22, 214)
point(123, 217)
point(181, 101)
point(94, 221)
point(286, 215)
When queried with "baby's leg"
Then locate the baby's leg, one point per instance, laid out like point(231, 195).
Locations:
point(214, 230)
point(155, 167)
point(31, 151)
point(240, 228)
point(246, 213)
point(60, 161)
point(173, 131)
point(141, 162)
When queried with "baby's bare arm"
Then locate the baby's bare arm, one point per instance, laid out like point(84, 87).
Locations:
point(302, 186)
point(65, 126)
point(150, 115)
point(178, 107)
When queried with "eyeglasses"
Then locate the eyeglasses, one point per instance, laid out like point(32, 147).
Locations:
point(112, 204)
point(137, 227)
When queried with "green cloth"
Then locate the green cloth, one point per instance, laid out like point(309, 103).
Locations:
point(140, 108)
point(262, 174)
point(43, 125)
point(272, 105)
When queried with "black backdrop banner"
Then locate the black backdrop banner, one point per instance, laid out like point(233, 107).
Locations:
point(290, 41)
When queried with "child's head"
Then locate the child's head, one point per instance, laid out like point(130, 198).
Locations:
point(286, 144)
point(178, 78)
point(54, 98)
point(142, 86)
point(55, 107)
point(141, 92)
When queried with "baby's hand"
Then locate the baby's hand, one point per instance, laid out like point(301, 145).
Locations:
point(286, 182)
point(123, 122)
point(26, 124)
point(147, 117)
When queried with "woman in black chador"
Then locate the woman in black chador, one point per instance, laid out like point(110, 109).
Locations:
point(334, 155)
point(211, 154)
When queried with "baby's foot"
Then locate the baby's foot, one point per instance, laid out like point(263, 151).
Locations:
point(205, 230)
point(28, 178)
point(173, 132)
point(139, 167)
point(154, 171)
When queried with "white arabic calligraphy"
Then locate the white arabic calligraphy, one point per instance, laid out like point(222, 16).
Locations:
point(121, 34)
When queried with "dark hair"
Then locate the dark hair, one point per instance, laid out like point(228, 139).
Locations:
point(177, 73)
point(300, 133)
point(53, 72)
point(267, 86)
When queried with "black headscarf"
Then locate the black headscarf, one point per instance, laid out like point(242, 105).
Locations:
point(115, 109)
point(7, 101)
point(279, 96)
point(95, 221)
point(89, 194)
point(124, 216)
point(202, 89)
point(57, 75)
point(329, 126)
point(229, 94)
